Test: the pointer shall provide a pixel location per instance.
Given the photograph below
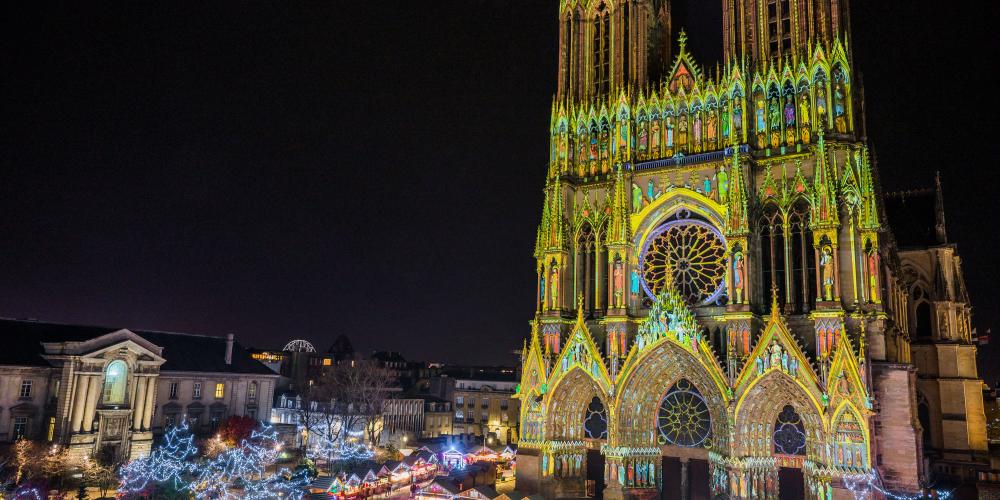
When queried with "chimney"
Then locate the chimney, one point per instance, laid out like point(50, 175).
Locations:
point(229, 348)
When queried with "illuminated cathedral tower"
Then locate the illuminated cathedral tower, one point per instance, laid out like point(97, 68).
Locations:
point(721, 309)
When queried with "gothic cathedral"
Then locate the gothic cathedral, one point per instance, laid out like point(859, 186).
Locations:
point(722, 309)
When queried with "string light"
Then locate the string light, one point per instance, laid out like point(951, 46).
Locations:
point(339, 450)
point(241, 468)
point(863, 485)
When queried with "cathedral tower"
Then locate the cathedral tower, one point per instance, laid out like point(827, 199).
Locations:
point(720, 306)
point(606, 45)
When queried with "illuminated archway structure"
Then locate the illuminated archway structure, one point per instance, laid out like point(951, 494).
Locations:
point(670, 396)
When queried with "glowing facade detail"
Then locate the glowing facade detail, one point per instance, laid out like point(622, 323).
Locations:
point(694, 253)
point(713, 266)
point(683, 418)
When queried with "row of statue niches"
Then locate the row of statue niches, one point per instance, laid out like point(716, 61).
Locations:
point(714, 187)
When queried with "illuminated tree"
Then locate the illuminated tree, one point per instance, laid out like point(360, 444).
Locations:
point(238, 472)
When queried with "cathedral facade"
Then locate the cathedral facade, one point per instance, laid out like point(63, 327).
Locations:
point(722, 307)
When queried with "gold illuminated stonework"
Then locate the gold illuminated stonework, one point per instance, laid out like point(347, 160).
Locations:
point(719, 303)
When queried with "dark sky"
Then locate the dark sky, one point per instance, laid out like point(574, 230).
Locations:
point(291, 170)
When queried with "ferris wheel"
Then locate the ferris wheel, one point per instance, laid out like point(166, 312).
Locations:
point(299, 346)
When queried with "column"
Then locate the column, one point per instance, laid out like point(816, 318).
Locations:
point(587, 303)
point(786, 235)
point(599, 305)
point(79, 401)
point(685, 480)
point(147, 416)
point(93, 394)
point(132, 390)
point(139, 407)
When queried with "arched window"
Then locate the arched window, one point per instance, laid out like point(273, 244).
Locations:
point(924, 415)
point(772, 249)
point(595, 426)
point(923, 318)
point(586, 267)
point(779, 28)
point(115, 381)
point(789, 433)
point(601, 50)
point(802, 275)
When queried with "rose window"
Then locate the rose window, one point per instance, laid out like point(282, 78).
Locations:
point(694, 252)
point(683, 419)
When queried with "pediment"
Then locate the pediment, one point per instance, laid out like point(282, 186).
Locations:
point(98, 346)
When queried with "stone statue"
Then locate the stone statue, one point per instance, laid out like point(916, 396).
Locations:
point(554, 283)
point(775, 354)
point(738, 276)
point(826, 264)
point(619, 283)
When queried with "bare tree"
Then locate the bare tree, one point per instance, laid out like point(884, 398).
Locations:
point(342, 401)
point(319, 413)
point(365, 386)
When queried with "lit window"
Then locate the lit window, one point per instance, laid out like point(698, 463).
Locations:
point(115, 380)
point(25, 389)
point(52, 429)
point(327, 362)
point(196, 393)
point(20, 428)
point(220, 390)
point(459, 401)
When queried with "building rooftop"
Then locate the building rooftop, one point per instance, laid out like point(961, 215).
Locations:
point(183, 351)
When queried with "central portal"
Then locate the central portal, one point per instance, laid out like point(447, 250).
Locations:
point(595, 474)
point(685, 479)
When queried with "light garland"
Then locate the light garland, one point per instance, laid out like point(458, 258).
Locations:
point(241, 468)
point(339, 450)
point(863, 485)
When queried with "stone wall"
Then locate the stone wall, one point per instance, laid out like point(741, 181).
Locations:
point(898, 440)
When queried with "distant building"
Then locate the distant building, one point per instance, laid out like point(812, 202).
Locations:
point(96, 389)
point(418, 417)
point(485, 406)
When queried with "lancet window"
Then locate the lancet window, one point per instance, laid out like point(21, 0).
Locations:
point(779, 28)
point(772, 250)
point(590, 260)
point(601, 49)
point(787, 259)
point(802, 273)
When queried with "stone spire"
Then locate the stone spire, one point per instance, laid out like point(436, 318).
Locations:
point(939, 226)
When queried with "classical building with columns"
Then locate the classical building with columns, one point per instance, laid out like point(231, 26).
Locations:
point(727, 303)
point(96, 389)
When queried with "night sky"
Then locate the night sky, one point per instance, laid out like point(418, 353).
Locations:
point(286, 170)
